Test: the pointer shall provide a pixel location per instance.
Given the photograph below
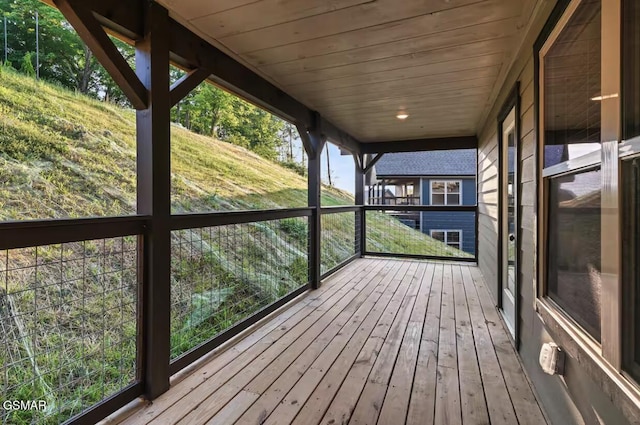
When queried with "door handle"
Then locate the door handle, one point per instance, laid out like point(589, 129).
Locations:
point(512, 237)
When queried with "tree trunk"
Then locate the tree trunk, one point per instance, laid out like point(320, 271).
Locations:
point(328, 166)
point(87, 70)
point(214, 121)
point(290, 126)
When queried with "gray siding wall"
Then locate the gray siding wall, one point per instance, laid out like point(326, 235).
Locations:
point(574, 398)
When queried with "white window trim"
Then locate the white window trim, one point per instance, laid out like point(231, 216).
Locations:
point(446, 236)
point(445, 191)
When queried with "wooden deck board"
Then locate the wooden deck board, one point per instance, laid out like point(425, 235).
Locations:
point(383, 341)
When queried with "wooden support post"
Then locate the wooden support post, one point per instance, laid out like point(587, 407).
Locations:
point(154, 199)
point(359, 199)
point(382, 193)
point(314, 141)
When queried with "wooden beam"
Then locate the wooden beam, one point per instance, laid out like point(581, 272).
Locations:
point(308, 146)
point(373, 162)
point(358, 160)
point(360, 224)
point(154, 199)
point(339, 137)
point(190, 51)
point(419, 145)
point(92, 33)
point(185, 85)
point(124, 19)
point(314, 180)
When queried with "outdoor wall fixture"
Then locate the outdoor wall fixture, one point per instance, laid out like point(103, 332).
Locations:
point(402, 116)
point(552, 359)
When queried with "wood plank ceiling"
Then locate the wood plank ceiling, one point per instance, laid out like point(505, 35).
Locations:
point(361, 62)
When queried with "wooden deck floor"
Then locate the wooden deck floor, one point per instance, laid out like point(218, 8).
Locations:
point(383, 341)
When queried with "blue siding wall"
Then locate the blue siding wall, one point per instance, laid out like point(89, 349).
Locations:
point(452, 220)
point(426, 192)
point(468, 190)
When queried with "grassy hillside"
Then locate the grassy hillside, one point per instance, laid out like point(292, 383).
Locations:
point(68, 312)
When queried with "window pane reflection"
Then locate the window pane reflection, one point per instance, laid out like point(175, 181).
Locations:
point(572, 87)
point(574, 247)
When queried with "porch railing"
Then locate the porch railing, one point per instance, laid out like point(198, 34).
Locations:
point(340, 237)
point(73, 292)
point(229, 270)
point(430, 232)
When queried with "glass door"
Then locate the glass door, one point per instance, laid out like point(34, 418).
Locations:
point(509, 212)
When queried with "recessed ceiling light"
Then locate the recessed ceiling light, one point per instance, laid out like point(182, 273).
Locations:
point(606, 96)
point(402, 116)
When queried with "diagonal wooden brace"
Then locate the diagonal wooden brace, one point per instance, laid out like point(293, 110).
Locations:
point(373, 162)
point(181, 88)
point(92, 33)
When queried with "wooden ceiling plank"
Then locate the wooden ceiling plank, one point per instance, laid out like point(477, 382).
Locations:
point(415, 113)
point(400, 74)
point(408, 104)
point(469, 16)
point(407, 91)
point(399, 85)
point(477, 49)
point(339, 21)
point(445, 98)
point(193, 9)
point(430, 123)
point(449, 39)
point(267, 13)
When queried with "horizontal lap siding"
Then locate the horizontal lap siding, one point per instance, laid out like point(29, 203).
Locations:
point(452, 220)
point(488, 208)
point(573, 398)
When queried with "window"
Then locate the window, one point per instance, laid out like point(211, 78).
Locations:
point(572, 102)
point(631, 62)
point(589, 197)
point(631, 189)
point(453, 238)
point(631, 260)
point(446, 192)
point(574, 268)
point(572, 86)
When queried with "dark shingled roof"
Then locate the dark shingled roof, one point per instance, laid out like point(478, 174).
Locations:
point(461, 162)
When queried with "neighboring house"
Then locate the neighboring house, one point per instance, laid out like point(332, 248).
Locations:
point(442, 178)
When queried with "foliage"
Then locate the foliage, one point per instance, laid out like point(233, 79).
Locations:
point(65, 60)
point(62, 52)
point(296, 167)
point(26, 67)
point(211, 111)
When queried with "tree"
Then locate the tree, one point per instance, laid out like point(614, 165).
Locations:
point(26, 66)
point(64, 58)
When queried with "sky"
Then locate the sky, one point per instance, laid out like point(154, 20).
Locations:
point(342, 167)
